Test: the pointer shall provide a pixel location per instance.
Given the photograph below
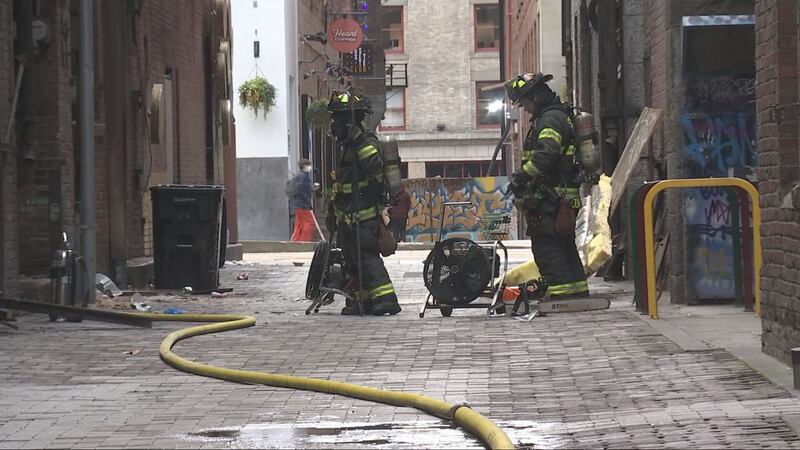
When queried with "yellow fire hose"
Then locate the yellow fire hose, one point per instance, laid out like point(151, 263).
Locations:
point(472, 422)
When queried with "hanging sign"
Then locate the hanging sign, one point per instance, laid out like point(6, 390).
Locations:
point(345, 35)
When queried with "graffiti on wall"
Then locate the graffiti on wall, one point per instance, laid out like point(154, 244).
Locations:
point(487, 195)
point(719, 145)
point(719, 141)
point(709, 249)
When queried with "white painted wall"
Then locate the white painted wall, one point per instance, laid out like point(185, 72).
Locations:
point(292, 91)
point(265, 21)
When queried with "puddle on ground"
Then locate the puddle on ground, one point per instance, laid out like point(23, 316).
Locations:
point(327, 434)
point(427, 434)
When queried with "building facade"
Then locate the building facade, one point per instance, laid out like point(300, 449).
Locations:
point(670, 56)
point(533, 43)
point(266, 37)
point(294, 55)
point(162, 85)
point(777, 93)
point(444, 100)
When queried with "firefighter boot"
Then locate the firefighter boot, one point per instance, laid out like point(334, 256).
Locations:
point(385, 305)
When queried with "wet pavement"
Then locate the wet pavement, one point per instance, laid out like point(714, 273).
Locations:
point(593, 379)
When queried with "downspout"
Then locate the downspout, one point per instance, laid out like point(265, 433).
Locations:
point(86, 123)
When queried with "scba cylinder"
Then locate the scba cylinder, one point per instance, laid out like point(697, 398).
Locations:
point(586, 139)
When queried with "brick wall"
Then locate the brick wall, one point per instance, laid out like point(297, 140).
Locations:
point(169, 36)
point(50, 142)
point(160, 36)
point(427, 102)
point(778, 64)
point(664, 89)
point(524, 56)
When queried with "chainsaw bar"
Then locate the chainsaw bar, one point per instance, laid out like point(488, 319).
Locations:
point(573, 305)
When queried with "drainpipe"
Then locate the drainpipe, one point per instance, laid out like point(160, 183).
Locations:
point(86, 123)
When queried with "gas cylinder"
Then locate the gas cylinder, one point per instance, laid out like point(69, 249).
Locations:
point(589, 156)
point(391, 161)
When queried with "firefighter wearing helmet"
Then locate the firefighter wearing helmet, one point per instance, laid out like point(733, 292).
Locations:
point(547, 186)
point(358, 196)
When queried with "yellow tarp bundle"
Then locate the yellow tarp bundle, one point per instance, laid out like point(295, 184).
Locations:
point(522, 274)
point(597, 250)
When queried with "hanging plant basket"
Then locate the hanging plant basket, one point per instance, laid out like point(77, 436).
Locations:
point(317, 113)
point(257, 94)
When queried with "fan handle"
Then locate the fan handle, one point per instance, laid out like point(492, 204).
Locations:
point(441, 222)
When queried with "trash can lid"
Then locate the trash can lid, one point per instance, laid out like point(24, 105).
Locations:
point(187, 187)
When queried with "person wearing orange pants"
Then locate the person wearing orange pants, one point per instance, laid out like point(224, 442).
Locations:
point(304, 225)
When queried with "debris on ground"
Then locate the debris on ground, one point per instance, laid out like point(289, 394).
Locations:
point(137, 303)
point(106, 285)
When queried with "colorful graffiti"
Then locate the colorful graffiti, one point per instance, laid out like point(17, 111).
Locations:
point(719, 145)
point(719, 141)
point(487, 195)
point(709, 243)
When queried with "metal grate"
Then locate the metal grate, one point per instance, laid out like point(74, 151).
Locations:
point(397, 75)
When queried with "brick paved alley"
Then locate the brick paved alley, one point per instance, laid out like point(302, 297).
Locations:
point(599, 379)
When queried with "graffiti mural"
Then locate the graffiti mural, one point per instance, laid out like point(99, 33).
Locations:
point(486, 195)
point(719, 140)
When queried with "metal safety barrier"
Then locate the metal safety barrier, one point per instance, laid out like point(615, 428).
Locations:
point(648, 198)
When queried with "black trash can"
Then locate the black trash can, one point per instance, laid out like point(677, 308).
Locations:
point(187, 236)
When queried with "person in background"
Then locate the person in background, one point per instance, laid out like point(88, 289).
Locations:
point(398, 214)
point(300, 190)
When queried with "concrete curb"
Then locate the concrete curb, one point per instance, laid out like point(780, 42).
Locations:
point(769, 367)
point(682, 339)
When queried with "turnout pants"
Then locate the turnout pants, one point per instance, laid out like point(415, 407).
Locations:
point(378, 288)
point(557, 257)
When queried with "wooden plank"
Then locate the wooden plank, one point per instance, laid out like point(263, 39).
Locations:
point(631, 154)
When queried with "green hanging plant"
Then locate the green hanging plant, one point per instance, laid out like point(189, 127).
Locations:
point(257, 94)
point(317, 113)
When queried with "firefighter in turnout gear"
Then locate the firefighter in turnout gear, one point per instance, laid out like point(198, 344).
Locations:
point(358, 195)
point(547, 186)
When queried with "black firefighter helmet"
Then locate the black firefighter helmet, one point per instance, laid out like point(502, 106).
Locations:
point(532, 85)
point(346, 102)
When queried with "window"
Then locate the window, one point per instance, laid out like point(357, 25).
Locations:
point(433, 169)
point(487, 27)
point(395, 116)
point(393, 28)
point(462, 169)
point(489, 104)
